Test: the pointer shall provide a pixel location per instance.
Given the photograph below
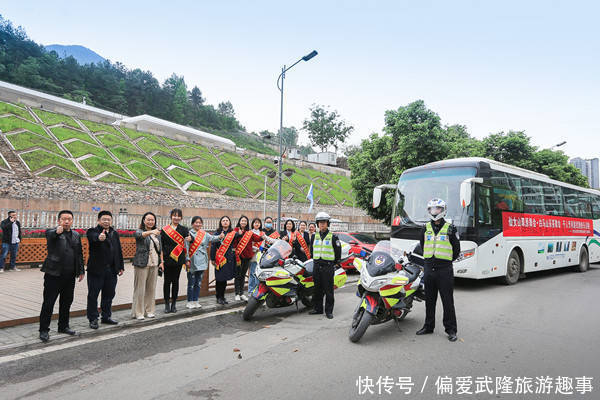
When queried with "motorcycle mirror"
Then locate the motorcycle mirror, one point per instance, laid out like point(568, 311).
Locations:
point(280, 262)
point(398, 267)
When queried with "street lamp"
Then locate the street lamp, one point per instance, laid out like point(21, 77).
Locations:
point(559, 144)
point(270, 175)
point(282, 77)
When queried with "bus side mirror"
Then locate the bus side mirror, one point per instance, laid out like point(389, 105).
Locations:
point(376, 197)
point(466, 191)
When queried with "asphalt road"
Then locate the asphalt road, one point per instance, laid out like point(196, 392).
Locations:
point(546, 325)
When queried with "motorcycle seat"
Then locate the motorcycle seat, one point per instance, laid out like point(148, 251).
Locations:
point(412, 271)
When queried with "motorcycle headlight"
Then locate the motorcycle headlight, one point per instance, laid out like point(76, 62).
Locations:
point(378, 283)
point(264, 275)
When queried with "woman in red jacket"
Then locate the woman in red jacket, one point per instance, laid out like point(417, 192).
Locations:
point(244, 253)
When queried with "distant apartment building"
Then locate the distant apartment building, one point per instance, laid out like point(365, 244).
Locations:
point(590, 169)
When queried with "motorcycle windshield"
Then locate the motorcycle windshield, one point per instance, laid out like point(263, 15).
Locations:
point(383, 259)
point(280, 250)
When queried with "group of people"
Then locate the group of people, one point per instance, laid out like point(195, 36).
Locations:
point(166, 252)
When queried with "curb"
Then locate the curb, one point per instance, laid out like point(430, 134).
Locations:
point(34, 344)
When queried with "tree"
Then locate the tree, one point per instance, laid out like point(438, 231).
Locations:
point(511, 148)
point(325, 128)
point(196, 97)
point(289, 136)
point(226, 109)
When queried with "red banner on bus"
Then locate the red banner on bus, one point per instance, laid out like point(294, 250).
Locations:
point(517, 224)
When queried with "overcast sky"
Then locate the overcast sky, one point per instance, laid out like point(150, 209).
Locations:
point(492, 66)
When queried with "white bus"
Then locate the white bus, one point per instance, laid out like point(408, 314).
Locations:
point(510, 220)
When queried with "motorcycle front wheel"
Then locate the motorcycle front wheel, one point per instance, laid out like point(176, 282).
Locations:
point(307, 301)
point(251, 308)
point(360, 322)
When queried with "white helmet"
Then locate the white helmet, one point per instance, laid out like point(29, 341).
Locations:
point(436, 208)
point(322, 216)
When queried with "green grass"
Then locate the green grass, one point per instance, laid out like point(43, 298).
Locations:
point(143, 171)
point(325, 199)
point(78, 149)
point(59, 173)
point(258, 163)
point(97, 127)
point(161, 184)
point(182, 177)
point(6, 108)
point(287, 188)
point(241, 172)
point(9, 124)
point(255, 185)
point(198, 188)
point(113, 179)
point(65, 133)
point(166, 162)
point(3, 164)
point(345, 184)
point(172, 142)
point(95, 166)
point(188, 152)
point(229, 159)
point(301, 180)
point(39, 159)
point(125, 155)
point(27, 140)
point(150, 145)
point(114, 140)
point(221, 183)
point(203, 166)
point(133, 134)
point(50, 118)
point(340, 196)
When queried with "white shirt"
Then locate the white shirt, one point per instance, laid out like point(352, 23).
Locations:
point(15, 233)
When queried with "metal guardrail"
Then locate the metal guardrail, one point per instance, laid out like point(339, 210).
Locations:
point(38, 219)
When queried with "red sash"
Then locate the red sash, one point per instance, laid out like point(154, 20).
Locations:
point(196, 243)
point(242, 245)
point(220, 258)
point(302, 242)
point(177, 238)
point(274, 235)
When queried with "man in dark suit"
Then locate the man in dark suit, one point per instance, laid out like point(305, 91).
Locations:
point(11, 237)
point(62, 265)
point(104, 264)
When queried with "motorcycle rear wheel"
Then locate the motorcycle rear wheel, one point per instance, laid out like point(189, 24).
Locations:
point(251, 308)
point(307, 301)
point(360, 322)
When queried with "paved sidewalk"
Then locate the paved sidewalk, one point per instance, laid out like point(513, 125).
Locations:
point(21, 294)
point(26, 336)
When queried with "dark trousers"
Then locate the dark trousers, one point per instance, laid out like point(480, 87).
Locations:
point(220, 289)
point(323, 277)
point(442, 280)
point(55, 286)
point(13, 248)
point(105, 282)
point(171, 282)
point(240, 276)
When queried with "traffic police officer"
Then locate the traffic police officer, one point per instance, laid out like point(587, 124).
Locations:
point(326, 250)
point(440, 244)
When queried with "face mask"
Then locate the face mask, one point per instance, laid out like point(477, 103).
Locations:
point(268, 225)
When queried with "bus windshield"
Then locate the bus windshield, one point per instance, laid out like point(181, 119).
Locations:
point(416, 188)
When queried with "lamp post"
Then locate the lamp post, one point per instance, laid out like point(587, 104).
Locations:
point(559, 144)
point(282, 77)
point(271, 175)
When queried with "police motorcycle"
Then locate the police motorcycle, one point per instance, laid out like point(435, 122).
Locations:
point(390, 281)
point(284, 281)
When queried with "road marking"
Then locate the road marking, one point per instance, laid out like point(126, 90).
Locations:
point(121, 333)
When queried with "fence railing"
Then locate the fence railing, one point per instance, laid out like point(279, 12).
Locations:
point(38, 219)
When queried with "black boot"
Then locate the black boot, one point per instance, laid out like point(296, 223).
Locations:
point(167, 308)
point(173, 307)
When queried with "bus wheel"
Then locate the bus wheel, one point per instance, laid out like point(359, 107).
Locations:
point(584, 261)
point(513, 269)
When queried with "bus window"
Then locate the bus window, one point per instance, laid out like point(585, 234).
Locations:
point(506, 195)
point(533, 196)
point(484, 206)
point(595, 203)
point(553, 201)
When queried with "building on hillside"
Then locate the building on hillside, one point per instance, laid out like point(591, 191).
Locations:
point(294, 154)
point(327, 158)
point(590, 169)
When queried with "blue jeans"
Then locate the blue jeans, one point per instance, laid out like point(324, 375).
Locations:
point(252, 280)
point(194, 282)
point(13, 248)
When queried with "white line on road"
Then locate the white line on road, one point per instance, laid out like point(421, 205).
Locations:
point(124, 332)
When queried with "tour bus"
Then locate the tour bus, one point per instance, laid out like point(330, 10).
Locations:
point(510, 220)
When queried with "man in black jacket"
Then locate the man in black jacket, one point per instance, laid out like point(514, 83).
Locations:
point(104, 264)
point(11, 237)
point(62, 265)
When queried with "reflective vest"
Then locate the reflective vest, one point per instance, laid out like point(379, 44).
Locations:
point(437, 246)
point(323, 249)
